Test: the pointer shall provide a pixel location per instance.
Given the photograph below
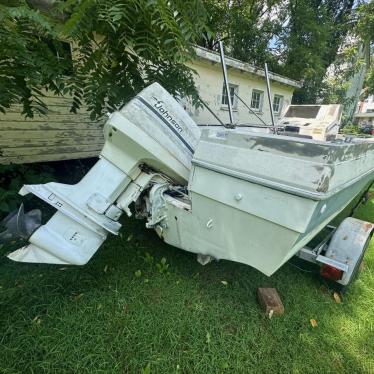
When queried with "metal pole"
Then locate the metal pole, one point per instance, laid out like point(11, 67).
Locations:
point(223, 63)
point(269, 96)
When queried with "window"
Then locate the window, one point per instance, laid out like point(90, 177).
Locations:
point(277, 103)
point(256, 102)
point(303, 111)
point(233, 90)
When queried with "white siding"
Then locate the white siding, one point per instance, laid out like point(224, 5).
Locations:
point(209, 81)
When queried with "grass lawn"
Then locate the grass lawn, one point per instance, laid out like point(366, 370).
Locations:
point(120, 313)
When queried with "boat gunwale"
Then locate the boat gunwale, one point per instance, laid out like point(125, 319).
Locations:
point(331, 152)
point(281, 186)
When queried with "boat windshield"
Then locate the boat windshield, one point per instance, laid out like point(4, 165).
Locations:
point(303, 111)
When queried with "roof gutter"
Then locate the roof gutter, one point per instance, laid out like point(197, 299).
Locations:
point(205, 54)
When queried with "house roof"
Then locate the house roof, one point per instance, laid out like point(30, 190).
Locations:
point(206, 54)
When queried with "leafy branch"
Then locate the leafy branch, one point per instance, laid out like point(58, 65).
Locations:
point(118, 47)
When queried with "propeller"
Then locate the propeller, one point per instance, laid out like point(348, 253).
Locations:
point(20, 224)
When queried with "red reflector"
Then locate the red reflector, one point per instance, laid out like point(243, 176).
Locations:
point(329, 272)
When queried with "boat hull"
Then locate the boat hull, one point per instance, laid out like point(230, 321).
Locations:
point(240, 217)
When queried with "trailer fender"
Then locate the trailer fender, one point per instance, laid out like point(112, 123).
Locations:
point(348, 246)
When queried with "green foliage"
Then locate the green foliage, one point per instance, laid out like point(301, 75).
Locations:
point(350, 129)
point(148, 259)
point(122, 46)
point(118, 47)
point(162, 266)
point(246, 26)
point(138, 273)
point(365, 20)
point(311, 41)
point(147, 369)
point(334, 90)
point(31, 58)
point(365, 29)
point(338, 79)
point(370, 81)
point(13, 177)
point(298, 38)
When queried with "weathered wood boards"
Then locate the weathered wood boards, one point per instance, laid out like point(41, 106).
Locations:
point(59, 135)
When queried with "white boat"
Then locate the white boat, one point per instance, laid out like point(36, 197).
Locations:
point(233, 194)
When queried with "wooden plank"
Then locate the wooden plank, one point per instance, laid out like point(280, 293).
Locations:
point(53, 100)
point(59, 109)
point(49, 157)
point(20, 143)
point(59, 135)
point(50, 117)
point(45, 125)
point(37, 151)
point(60, 100)
point(50, 134)
point(55, 104)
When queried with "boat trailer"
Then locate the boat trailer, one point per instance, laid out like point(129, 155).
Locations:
point(340, 253)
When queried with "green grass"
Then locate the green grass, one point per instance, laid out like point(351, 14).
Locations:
point(121, 314)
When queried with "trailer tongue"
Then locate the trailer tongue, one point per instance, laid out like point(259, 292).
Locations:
point(254, 198)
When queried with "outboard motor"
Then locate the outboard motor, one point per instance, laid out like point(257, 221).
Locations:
point(151, 139)
point(19, 224)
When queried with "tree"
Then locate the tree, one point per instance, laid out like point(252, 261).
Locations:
point(31, 58)
point(119, 47)
point(311, 41)
point(338, 78)
point(246, 26)
point(365, 30)
point(365, 21)
point(298, 38)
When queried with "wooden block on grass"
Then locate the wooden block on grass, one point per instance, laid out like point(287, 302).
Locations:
point(270, 301)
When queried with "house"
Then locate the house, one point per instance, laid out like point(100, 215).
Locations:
point(365, 114)
point(61, 135)
point(246, 81)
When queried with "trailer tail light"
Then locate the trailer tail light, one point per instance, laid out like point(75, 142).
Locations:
point(330, 272)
